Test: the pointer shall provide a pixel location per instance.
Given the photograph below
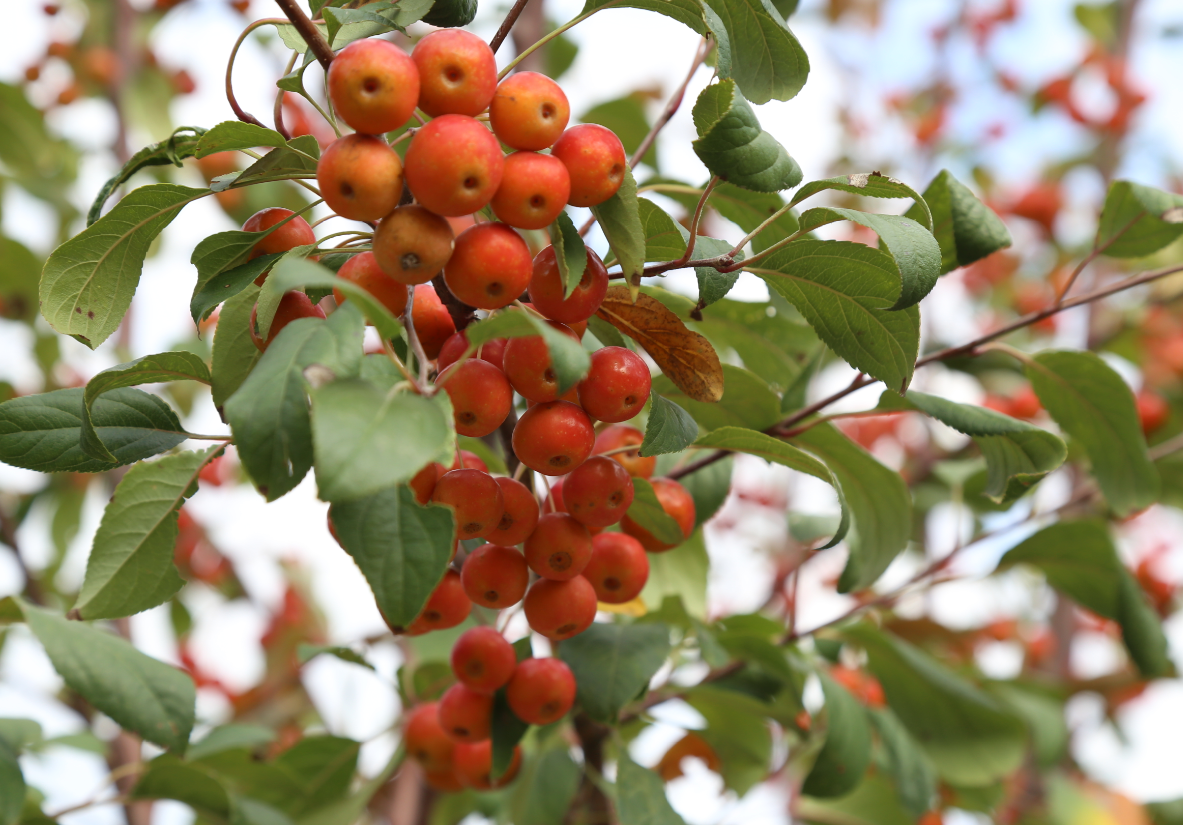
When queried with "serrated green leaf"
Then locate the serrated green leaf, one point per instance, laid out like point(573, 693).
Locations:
point(224, 284)
point(141, 694)
point(231, 736)
point(268, 414)
point(547, 785)
point(1079, 559)
point(306, 652)
point(1044, 714)
point(686, 12)
point(709, 486)
point(1018, 454)
point(670, 428)
point(751, 442)
point(665, 239)
point(640, 796)
point(88, 282)
point(747, 401)
point(605, 333)
point(844, 757)
point(234, 134)
point(966, 229)
point(19, 280)
point(151, 369)
point(217, 258)
point(234, 353)
point(868, 185)
point(172, 151)
point(195, 785)
point(130, 568)
point(970, 738)
point(43, 432)
point(506, 731)
point(1138, 220)
point(734, 147)
point(366, 439)
point(910, 771)
point(12, 785)
point(647, 512)
point(912, 247)
point(764, 57)
point(737, 730)
point(620, 219)
point(402, 548)
point(570, 252)
point(679, 573)
point(845, 290)
point(775, 347)
point(872, 802)
point(295, 160)
point(879, 500)
point(1094, 405)
point(613, 663)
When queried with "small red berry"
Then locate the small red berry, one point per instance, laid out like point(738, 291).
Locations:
point(495, 577)
point(465, 714)
point(559, 547)
point(618, 568)
point(617, 385)
point(541, 691)
point(483, 660)
point(598, 492)
point(560, 609)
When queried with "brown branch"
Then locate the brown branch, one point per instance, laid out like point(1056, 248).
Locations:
point(507, 25)
point(590, 802)
point(308, 30)
point(941, 355)
point(671, 107)
point(462, 314)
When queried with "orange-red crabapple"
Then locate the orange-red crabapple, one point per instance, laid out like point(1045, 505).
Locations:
point(520, 516)
point(559, 547)
point(454, 165)
point(481, 397)
point(595, 160)
point(373, 86)
point(468, 460)
point(677, 503)
point(533, 190)
point(412, 244)
point(560, 609)
point(495, 577)
point(483, 660)
point(546, 288)
point(295, 232)
point(541, 691)
point(528, 366)
point(433, 323)
point(422, 484)
point(618, 568)
point(466, 715)
point(360, 177)
point(457, 73)
point(363, 270)
point(425, 740)
point(617, 385)
point(476, 499)
point(621, 435)
point(447, 606)
point(491, 351)
point(529, 111)
point(598, 492)
point(474, 764)
point(553, 438)
point(490, 267)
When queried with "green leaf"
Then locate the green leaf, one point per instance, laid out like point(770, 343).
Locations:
point(845, 291)
point(1018, 454)
point(168, 777)
point(847, 750)
point(679, 573)
point(168, 152)
point(1092, 404)
point(709, 487)
point(1137, 220)
point(1078, 558)
point(151, 369)
point(766, 59)
point(747, 401)
point(447, 14)
point(234, 353)
point(226, 283)
point(739, 440)
point(365, 439)
point(605, 333)
point(140, 693)
point(620, 219)
point(879, 500)
point(88, 282)
point(43, 432)
point(737, 731)
point(910, 771)
point(219, 256)
point(772, 345)
point(869, 185)
point(570, 253)
point(647, 512)
point(324, 765)
point(12, 785)
point(402, 548)
point(1044, 714)
point(640, 795)
point(268, 414)
point(567, 356)
point(130, 568)
point(733, 146)
point(297, 272)
point(966, 229)
point(296, 160)
point(873, 802)
point(913, 248)
point(665, 239)
point(670, 428)
point(228, 737)
point(613, 664)
point(1166, 813)
point(686, 12)
point(543, 793)
point(234, 134)
point(507, 731)
point(19, 280)
point(970, 738)
point(713, 285)
point(306, 652)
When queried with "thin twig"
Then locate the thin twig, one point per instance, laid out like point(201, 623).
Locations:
point(239, 112)
point(308, 30)
point(416, 344)
point(507, 25)
point(672, 106)
point(697, 219)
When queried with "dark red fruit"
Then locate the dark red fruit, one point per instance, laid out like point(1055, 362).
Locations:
point(617, 385)
point(474, 762)
point(528, 366)
point(520, 516)
point(465, 714)
point(425, 740)
point(481, 397)
point(293, 306)
point(447, 607)
point(598, 492)
point(677, 502)
point(483, 660)
point(546, 288)
point(559, 547)
point(553, 438)
point(618, 569)
point(495, 577)
point(491, 351)
point(560, 609)
point(541, 691)
point(475, 497)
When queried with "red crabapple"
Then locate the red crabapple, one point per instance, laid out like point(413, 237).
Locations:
point(474, 762)
point(465, 714)
point(293, 306)
point(541, 691)
point(422, 484)
point(553, 438)
point(533, 190)
point(560, 609)
point(618, 569)
point(425, 740)
point(483, 660)
point(481, 397)
point(677, 502)
point(454, 165)
point(468, 460)
point(475, 497)
point(529, 111)
point(598, 492)
point(494, 576)
point(447, 607)
point(433, 323)
point(412, 245)
point(595, 159)
point(619, 435)
point(457, 73)
point(520, 516)
point(360, 177)
point(491, 351)
point(363, 270)
point(295, 232)
point(546, 288)
point(528, 366)
point(373, 86)
point(558, 548)
point(490, 267)
point(617, 385)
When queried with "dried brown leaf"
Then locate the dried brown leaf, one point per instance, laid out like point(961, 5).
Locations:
point(686, 357)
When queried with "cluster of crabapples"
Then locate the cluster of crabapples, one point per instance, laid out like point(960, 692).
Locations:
point(556, 556)
point(455, 167)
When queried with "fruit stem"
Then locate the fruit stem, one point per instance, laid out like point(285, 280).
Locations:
point(308, 30)
point(239, 112)
point(507, 25)
point(416, 346)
